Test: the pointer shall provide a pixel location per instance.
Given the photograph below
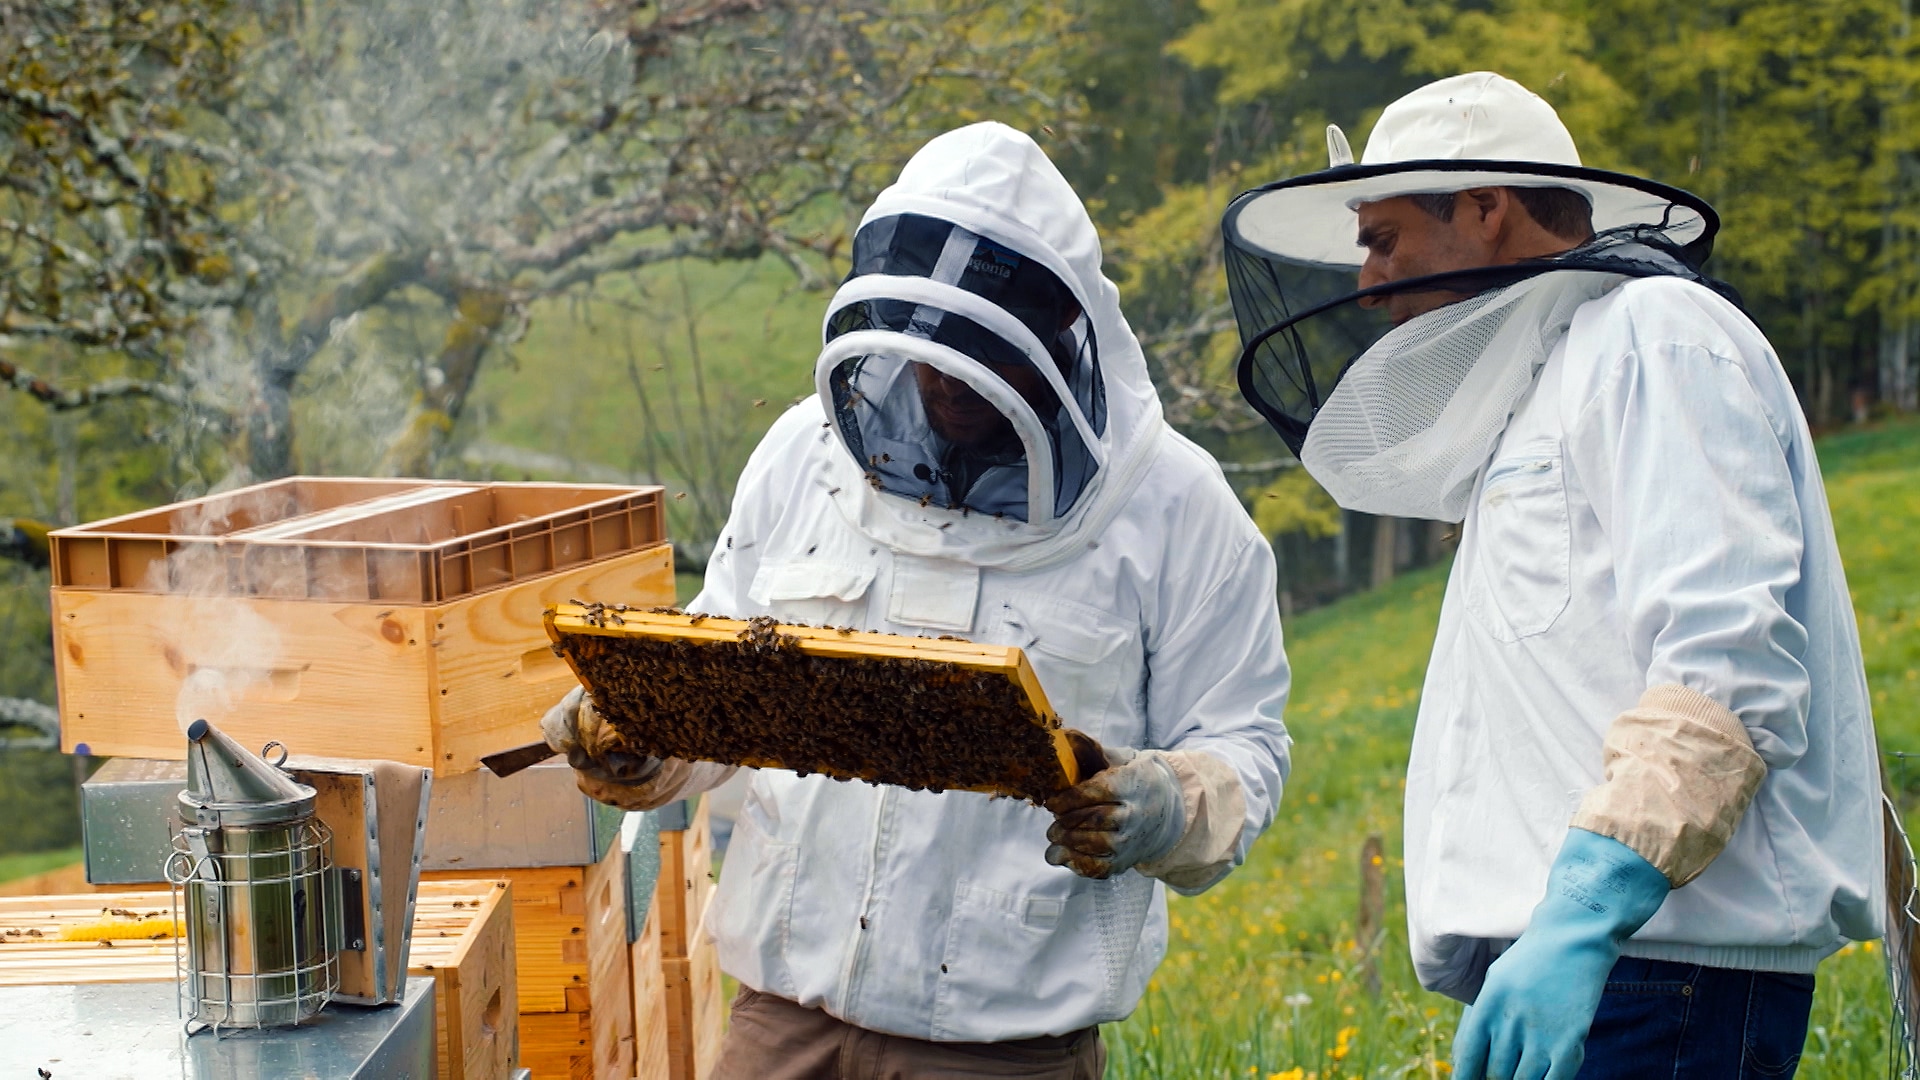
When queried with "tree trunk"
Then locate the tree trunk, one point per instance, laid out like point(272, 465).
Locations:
point(437, 407)
point(1897, 382)
point(280, 358)
point(1343, 554)
point(1386, 547)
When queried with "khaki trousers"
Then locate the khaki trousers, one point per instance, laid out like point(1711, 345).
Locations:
point(774, 1039)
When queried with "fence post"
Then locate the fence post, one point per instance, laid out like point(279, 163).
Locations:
point(1369, 928)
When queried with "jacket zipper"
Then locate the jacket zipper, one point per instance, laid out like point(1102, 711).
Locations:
point(850, 977)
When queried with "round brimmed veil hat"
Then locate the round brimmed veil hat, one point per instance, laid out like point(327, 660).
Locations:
point(1468, 131)
point(1292, 248)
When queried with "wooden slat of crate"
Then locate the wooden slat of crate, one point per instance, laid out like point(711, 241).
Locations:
point(462, 937)
point(477, 1006)
point(549, 931)
point(696, 1013)
point(572, 967)
point(609, 972)
point(689, 961)
point(650, 1047)
point(686, 882)
point(557, 1046)
point(435, 687)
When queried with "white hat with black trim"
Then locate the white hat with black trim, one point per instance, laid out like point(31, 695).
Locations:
point(1468, 131)
point(1292, 250)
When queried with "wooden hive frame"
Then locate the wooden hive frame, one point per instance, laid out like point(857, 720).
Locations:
point(462, 938)
point(1077, 756)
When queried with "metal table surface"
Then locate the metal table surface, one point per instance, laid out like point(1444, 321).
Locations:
point(133, 1031)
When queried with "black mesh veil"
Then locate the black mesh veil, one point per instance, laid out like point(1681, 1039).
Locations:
point(1302, 323)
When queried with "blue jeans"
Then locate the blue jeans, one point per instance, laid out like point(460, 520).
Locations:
point(1687, 1022)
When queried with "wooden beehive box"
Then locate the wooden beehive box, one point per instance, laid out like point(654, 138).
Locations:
point(572, 967)
point(398, 619)
point(694, 1004)
point(924, 713)
point(462, 937)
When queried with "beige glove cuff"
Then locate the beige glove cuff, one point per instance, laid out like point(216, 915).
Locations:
point(1680, 772)
point(676, 779)
point(1216, 810)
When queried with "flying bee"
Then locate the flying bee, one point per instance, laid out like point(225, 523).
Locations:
point(833, 491)
point(946, 524)
point(927, 498)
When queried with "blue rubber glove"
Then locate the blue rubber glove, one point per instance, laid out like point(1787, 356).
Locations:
point(1533, 1012)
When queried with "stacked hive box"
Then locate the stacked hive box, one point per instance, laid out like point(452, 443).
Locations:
point(390, 619)
point(349, 618)
point(689, 963)
point(462, 937)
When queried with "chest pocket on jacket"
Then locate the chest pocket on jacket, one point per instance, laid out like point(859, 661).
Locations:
point(817, 592)
point(1081, 654)
point(1522, 554)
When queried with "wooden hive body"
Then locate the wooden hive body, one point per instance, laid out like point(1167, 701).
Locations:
point(391, 619)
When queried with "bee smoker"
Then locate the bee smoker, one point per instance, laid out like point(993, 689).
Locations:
point(252, 870)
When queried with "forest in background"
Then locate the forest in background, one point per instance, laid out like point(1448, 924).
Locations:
point(588, 239)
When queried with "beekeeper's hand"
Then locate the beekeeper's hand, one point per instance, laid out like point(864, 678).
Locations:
point(1532, 1015)
point(602, 769)
point(1126, 814)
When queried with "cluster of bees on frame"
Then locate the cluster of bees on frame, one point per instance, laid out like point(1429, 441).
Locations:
point(761, 700)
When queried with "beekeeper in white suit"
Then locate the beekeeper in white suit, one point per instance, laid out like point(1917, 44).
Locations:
point(985, 457)
point(1642, 804)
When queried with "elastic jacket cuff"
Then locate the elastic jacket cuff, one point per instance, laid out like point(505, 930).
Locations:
point(1216, 813)
point(676, 779)
point(1680, 772)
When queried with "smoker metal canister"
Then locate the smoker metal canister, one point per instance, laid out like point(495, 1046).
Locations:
point(254, 881)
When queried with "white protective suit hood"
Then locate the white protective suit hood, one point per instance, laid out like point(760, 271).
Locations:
point(979, 223)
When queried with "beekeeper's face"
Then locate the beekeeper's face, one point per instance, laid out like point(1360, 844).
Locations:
point(961, 416)
point(1406, 240)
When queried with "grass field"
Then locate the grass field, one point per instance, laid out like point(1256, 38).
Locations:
point(16, 866)
point(1263, 979)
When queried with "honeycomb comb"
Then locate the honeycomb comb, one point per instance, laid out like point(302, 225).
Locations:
point(934, 714)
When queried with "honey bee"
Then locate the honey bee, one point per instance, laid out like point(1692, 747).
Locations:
point(927, 498)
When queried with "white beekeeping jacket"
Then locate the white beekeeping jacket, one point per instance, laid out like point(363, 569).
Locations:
point(1147, 609)
point(1653, 516)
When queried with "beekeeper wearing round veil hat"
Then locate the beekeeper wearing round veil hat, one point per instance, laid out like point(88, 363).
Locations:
point(983, 456)
point(1642, 801)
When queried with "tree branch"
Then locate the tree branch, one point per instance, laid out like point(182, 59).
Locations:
point(61, 400)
